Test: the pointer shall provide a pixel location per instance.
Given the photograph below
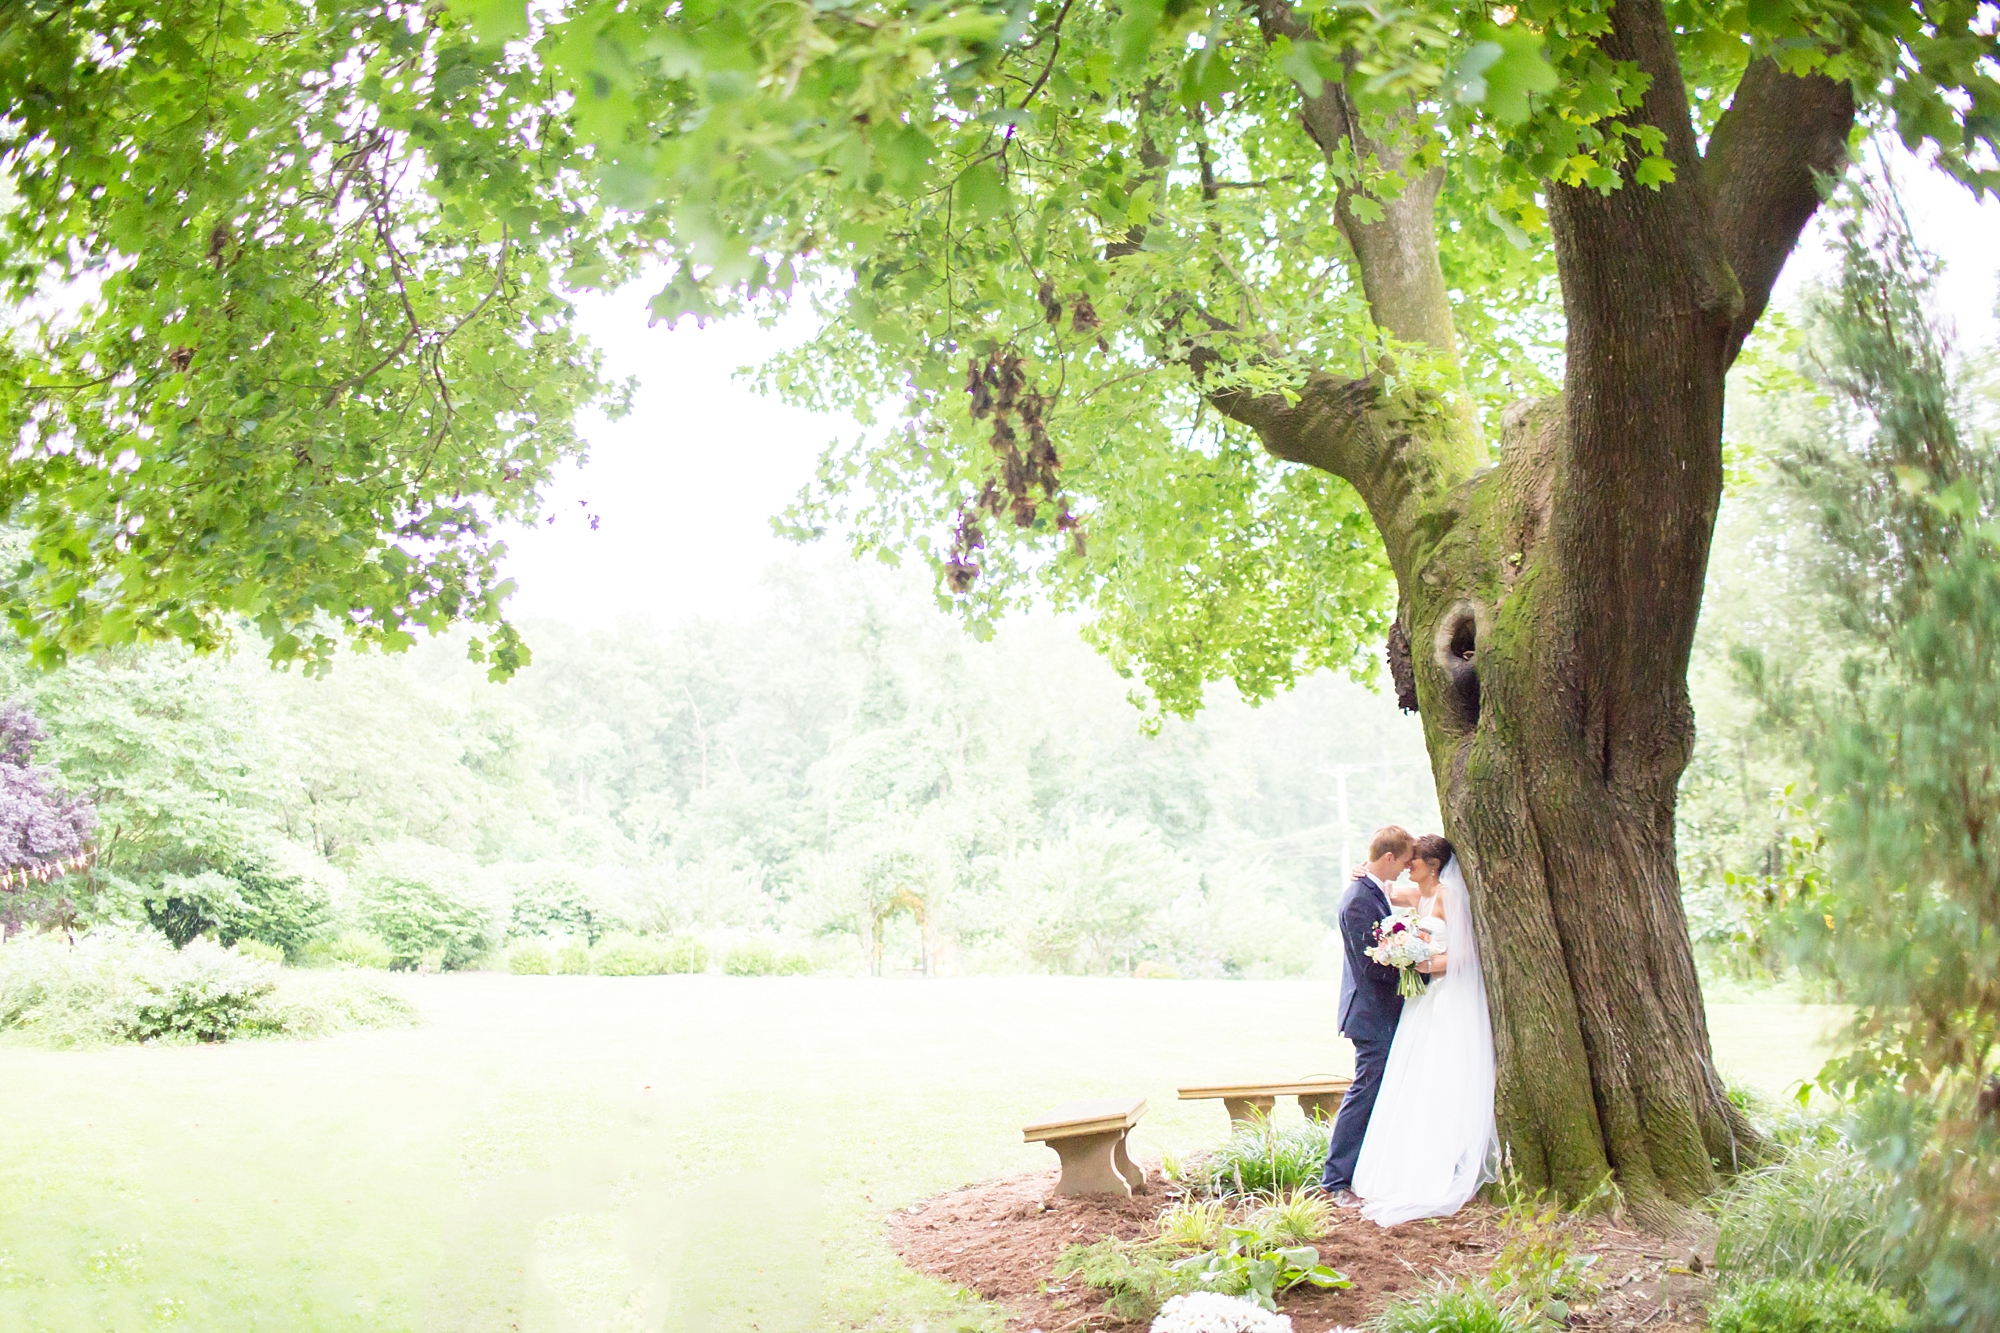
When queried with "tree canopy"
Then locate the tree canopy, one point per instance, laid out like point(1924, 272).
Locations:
point(292, 277)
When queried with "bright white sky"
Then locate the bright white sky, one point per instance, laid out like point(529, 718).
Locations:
point(684, 488)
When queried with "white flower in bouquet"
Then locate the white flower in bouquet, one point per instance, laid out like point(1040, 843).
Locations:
point(1401, 945)
point(1212, 1312)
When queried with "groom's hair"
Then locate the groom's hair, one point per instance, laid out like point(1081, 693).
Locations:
point(1390, 840)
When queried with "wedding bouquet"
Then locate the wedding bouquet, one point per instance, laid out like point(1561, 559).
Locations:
point(1399, 944)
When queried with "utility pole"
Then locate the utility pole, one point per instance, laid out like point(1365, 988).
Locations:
point(1340, 773)
point(1346, 847)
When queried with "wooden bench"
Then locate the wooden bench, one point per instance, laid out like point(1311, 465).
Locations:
point(1319, 1097)
point(1089, 1137)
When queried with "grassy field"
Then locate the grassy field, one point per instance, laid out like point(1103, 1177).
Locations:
point(691, 1153)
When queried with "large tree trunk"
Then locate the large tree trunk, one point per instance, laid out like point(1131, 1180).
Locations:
point(1556, 761)
point(1550, 601)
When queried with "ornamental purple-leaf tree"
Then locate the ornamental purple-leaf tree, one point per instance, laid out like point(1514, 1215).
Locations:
point(39, 822)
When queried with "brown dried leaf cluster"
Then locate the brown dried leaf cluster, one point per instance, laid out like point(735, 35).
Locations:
point(999, 392)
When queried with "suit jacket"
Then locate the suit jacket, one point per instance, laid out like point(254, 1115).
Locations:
point(1369, 1002)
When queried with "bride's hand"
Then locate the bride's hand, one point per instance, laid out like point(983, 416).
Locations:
point(1434, 965)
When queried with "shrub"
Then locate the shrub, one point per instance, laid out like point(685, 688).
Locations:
point(757, 958)
point(1807, 1305)
point(251, 900)
point(1151, 971)
point(350, 948)
point(1137, 1279)
point(117, 986)
point(553, 899)
point(1818, 1213)
point(1538, 1265)
point(310, 1006)
point(431, 907)
point(135, 986)
point(1194, 1223)
point(627, 956)
point(1465, 1307)
point(1250, 1263)
point(206, 997)
point(573, 959)
point(257, 949)
point(1263, 1159)
point(684, 954)
point(1294, 1218)
point(530, 958)
point(752, 958)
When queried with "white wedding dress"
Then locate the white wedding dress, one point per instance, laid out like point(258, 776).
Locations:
point(1432, 1142)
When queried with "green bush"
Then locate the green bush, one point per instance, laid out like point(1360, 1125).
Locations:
point(757, 958)
point(319, 1006)
point(432, 907)
point(625, 955)
point(350, 948)
point(251, 900)
point(1806, 1305)
point(117, 986)
point(573, 959)
point(1250, 1262)
point(1539, 1265)
point(753, 958)
point(1262, 1159)
point(553, 899)
point(114, 986)
point(257, 949)
point(1818, 1213)
point(1462, 1307)
point(1137, 1278)
point(530, 958)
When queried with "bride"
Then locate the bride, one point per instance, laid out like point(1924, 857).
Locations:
point(1432, 1142)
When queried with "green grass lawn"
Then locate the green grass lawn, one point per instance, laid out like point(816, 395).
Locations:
point(689, 1153)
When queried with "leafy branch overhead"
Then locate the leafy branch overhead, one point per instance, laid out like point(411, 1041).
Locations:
point(291, 282)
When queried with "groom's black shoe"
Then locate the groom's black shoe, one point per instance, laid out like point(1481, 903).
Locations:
point(1347, 1199)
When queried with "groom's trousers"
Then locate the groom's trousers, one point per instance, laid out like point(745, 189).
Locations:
point(1350, 1125)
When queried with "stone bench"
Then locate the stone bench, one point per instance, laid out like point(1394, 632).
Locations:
point(1319, 1097)
point(1089, 1137)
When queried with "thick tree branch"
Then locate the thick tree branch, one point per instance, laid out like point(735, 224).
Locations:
point(1650, 300)
point(1345, 427)
point(1398, 255)
point(1780, 135)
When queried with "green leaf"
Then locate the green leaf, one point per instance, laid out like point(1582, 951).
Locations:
point(1655, 172)
point(982, 192)
point(1132, 36)
point(1466, 80)
point(1298, 65)
point(1519, 71)
point(494, 21)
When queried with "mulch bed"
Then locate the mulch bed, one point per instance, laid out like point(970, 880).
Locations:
point(1001, 1239)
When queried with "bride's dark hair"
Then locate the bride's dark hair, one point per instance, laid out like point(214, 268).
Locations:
point(1436, 849)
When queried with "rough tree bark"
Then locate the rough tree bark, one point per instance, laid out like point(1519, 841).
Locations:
point(1550, 600)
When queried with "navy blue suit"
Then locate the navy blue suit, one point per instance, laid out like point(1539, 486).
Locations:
point(1369, 1010)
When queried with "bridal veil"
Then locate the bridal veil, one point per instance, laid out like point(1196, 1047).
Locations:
point(1432, 1141)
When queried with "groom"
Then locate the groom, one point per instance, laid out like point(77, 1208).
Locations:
point(1369, 1005)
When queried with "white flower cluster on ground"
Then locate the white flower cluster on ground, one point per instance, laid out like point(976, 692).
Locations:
point(1212, 1312)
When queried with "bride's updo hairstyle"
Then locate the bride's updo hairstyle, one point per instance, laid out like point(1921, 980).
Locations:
point(1436, 849)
